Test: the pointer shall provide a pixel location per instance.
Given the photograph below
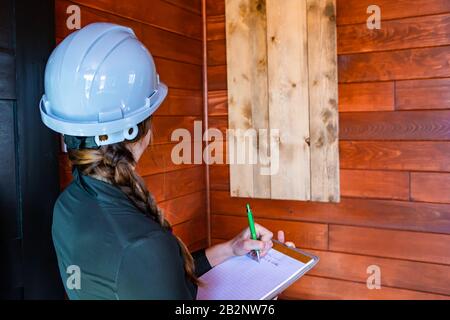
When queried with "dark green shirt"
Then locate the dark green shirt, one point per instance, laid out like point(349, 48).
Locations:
point(121, 253)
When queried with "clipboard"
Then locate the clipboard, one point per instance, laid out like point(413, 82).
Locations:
point(298, 254)
point(241, 278)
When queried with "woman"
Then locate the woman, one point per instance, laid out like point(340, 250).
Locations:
point(101, 90)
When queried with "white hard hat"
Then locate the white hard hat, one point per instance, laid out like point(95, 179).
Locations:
point(100, 81)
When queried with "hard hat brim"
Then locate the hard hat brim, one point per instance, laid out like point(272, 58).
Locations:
point(96, 128)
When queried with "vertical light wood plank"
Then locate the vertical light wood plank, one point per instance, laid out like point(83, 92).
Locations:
point(247, 90)
point(288, 96)
point(323, 100)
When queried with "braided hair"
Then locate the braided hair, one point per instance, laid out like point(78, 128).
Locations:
point(115, 164)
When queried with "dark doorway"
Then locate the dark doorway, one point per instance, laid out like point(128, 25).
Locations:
point(28, 154)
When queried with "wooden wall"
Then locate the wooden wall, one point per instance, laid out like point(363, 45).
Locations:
point(172, 31)
point(394, 107)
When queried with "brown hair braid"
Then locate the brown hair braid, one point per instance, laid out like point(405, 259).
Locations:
point(115, 164)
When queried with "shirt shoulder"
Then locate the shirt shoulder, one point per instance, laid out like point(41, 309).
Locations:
point(153, 268)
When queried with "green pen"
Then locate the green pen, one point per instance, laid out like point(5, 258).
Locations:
point(252, 228)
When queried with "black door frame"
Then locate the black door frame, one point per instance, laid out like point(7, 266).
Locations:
point(34, 267)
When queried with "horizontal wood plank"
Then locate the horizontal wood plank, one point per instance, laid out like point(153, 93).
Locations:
point(179, 74)
point(217, 103)
point(422, 94)
point(395, 65)
point(215, 27)
point(219, 177)
point(390, 214)
point(173, 184)
point(355, 11)
point(395, 155)
point(430, 187)
point(305, 235)
point(190, 207)
point(217, 77)
point(181, 102)
point(372, 96)
point(191, 5)
point(395, 273)
point(158, 158)
point(407, 125)
point(217, 53)
point(161, 43)
point(318, 288)
point(155, 185)
point(163, 127)
point(399, 274)
point(215, 7)
point(417, 32)
point(417, 246)
point(354, 183)
point(191, 231)
point(160, 14)
point(375, 184)
point(220, 123)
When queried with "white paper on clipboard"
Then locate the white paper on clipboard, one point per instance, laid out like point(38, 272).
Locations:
point(242, 278)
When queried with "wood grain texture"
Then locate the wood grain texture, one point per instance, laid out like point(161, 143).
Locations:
point(287, 54)
point(172, 184)
point(395, 155)
point(215, 7)
point(388, 214)
point(179, 74)
point(430, 187)
point(220, 123)
point(372, 96)
point(158, 158)
point(217, 78)
point(246, 30)
point(317, 288)
point(191, 5)
point(395, 65)
point(163, 127)
point(323, 100)
point(161, 43)
point(219, 177)
point(375, 184)
point(353, 268)
point(354, 183)
point(215, 28)
point(217, 52)
point(407, 33)
point(413, 74)
point(355, 11)
point(184, 209)
point(218, 103)
point(396, 273)
point(191, 231)
point(417, 246)
point(422, 94)
point(305, 235)
point(407, 125)
point(160, 14)
point(180, 102)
